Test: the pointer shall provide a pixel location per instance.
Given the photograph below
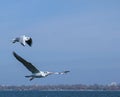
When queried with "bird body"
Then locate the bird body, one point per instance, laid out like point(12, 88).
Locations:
point(23, 40)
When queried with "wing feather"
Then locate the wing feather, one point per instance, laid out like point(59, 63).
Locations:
point(28, 65)
point(29, 42)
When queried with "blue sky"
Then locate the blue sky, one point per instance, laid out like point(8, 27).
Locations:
point(82, 36)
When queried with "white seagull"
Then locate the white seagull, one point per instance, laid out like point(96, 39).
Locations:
point(35, 72)
point(23, 40)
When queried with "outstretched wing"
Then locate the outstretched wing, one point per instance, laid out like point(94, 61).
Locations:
point(64, 72)
point(29, 42)
point(28, 65)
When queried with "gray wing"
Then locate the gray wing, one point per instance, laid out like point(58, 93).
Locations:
point(64, 72)
point(29, 42)
point(28, 65)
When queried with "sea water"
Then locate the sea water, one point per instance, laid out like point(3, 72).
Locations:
point(59, 93)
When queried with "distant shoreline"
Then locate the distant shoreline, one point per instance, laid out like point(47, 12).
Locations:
point(77, 87)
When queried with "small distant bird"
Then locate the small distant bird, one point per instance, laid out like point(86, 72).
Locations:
point(35, 72)
point(23, 40)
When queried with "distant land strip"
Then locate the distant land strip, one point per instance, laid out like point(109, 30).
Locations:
point(77, 87)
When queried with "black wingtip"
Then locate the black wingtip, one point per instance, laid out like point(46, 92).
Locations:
point(66, 71)
point(14, 53)
point(29, 42)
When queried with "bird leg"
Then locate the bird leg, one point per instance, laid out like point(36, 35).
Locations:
point(31, 78)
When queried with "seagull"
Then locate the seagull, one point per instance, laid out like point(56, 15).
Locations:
point(23, 40)
point(35, 72)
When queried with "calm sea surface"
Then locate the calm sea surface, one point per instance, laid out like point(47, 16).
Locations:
point(59, 93)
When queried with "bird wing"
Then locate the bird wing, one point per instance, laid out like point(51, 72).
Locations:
point(28, 65)
point(29, 42)
point(64, 72)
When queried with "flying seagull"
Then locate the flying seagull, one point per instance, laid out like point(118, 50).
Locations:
point(23, 40)
point(35, 72)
